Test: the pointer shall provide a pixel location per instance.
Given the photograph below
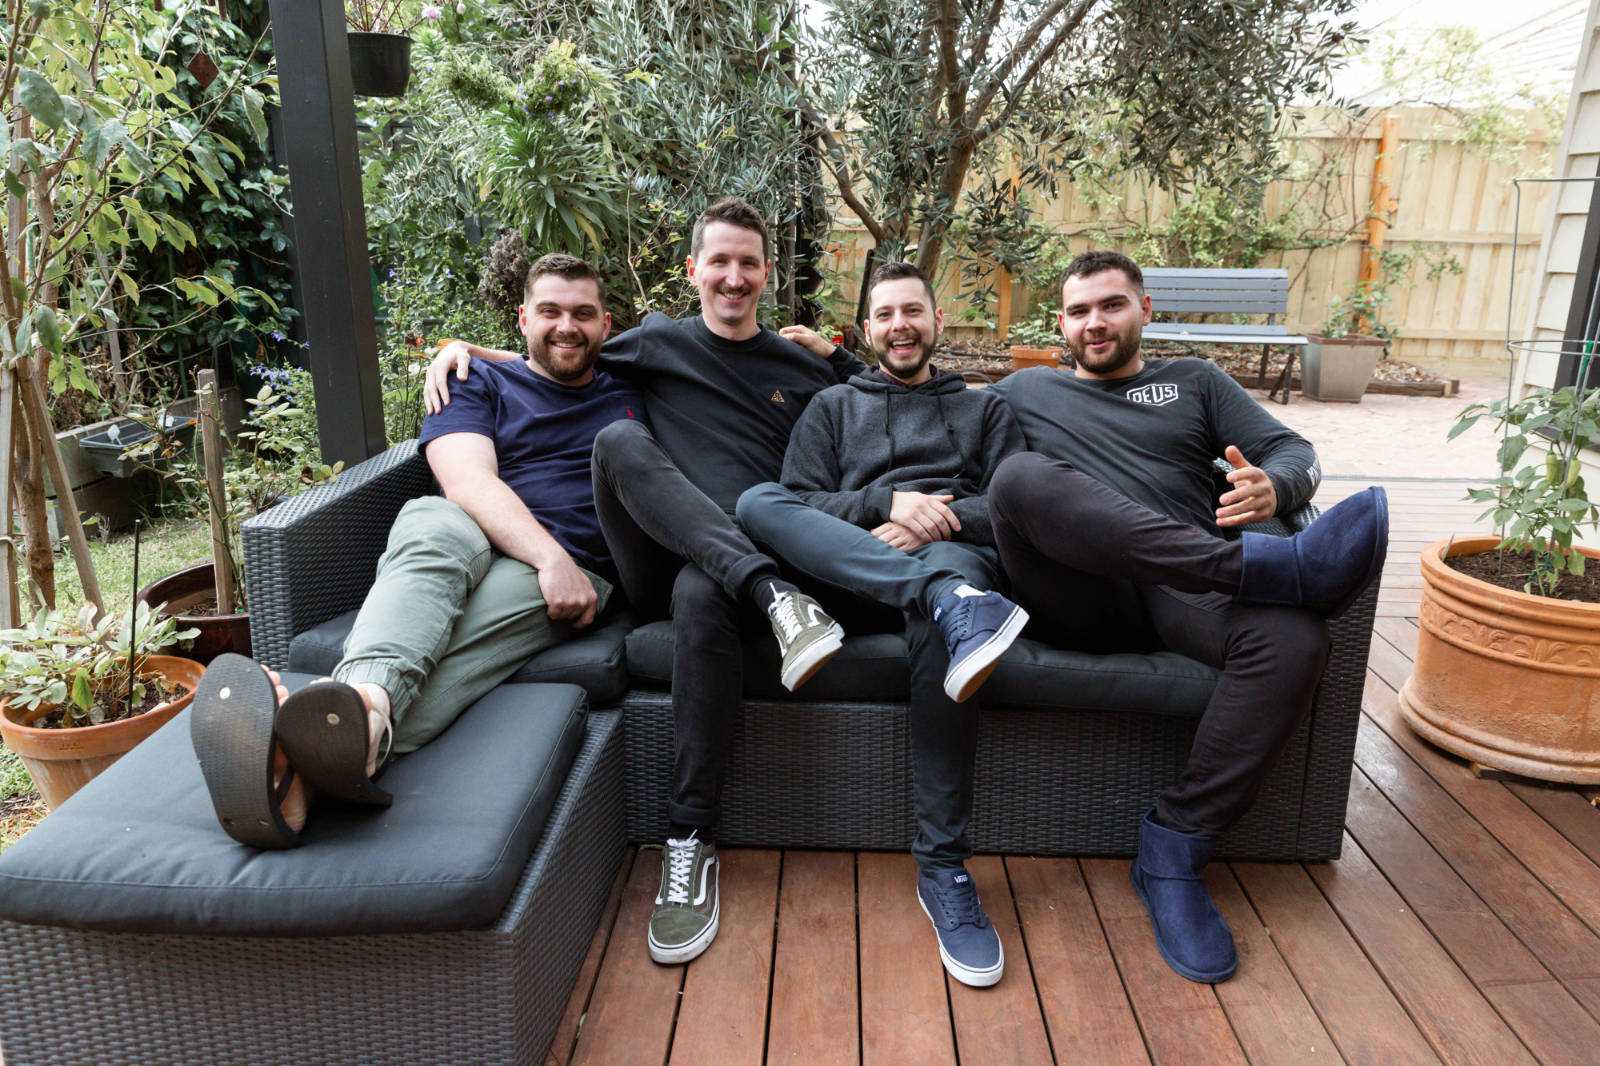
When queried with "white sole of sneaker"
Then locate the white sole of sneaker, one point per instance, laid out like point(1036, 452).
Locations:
point(962, 681)
point(816, 657)
point(965, 974)
point(678, 953)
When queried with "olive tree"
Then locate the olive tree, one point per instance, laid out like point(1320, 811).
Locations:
point(907, 97)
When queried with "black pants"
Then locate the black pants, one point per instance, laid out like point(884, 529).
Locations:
point(679, 554)
point(1100, 573)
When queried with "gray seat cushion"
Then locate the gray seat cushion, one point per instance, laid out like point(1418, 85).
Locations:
point(874, 668)
point(139, 848)
point(594, 661)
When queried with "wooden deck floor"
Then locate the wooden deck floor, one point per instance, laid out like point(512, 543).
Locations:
point(1461, 924)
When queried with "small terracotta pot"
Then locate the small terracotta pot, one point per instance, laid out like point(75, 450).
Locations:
point(1022, 356)
point(218, 632)
point(61, 761)
point(1505, 678)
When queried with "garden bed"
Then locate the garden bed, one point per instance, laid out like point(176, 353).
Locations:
point(991, 360)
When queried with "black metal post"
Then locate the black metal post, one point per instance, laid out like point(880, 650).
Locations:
point(330, 224)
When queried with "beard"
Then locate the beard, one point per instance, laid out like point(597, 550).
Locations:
point(1120, 355)
point(564, 368)
point(906, 364)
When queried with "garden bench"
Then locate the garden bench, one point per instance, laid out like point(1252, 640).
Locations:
point(1072, 749)
point(1206, 290)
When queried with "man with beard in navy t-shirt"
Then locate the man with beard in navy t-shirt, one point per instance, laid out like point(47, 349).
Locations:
point(508, 561)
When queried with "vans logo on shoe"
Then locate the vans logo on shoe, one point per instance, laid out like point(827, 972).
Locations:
point(1153, 395)
point(777, 396)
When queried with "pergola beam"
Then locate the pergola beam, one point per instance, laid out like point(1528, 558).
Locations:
point(330, 224)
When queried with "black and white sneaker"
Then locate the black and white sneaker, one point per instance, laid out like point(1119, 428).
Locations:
point(978, 627)
point(807, 637)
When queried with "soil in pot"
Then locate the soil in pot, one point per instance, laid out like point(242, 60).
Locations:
point(1509, 570)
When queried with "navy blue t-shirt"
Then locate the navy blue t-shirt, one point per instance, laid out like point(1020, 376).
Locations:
point(543, 435)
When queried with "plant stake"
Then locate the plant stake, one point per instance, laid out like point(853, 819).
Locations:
point(133, 616)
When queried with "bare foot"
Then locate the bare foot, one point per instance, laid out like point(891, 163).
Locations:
point(297, 800)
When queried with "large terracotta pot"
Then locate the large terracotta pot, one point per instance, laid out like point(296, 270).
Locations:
point(61, 761)
point(1505, 678)
point(218, 632)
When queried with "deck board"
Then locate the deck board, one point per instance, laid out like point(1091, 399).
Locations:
point(1461, 924)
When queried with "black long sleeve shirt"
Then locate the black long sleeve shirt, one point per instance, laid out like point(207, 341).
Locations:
point(1153, 437)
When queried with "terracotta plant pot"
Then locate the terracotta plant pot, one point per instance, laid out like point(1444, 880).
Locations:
point(1505, 678)
point(61, 761)
point(1023, 356)
point(183, 591)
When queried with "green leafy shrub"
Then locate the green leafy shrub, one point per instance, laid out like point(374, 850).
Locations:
point(1540, 505)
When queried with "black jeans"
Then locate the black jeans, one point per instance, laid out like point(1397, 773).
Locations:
point(839, 557)
point(1100, 573)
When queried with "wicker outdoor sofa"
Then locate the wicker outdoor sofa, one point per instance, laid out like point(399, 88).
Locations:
point(1072, 749)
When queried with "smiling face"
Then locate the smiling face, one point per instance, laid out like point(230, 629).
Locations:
point(730, 273)
point(1103, 315)
point(564, 324)
point(903, 327)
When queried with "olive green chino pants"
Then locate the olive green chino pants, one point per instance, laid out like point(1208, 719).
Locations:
point(447, 619)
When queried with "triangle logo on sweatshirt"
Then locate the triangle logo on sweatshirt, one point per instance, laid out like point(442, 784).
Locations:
point(777, 396)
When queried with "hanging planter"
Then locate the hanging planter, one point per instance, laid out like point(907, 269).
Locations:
point(380, 63)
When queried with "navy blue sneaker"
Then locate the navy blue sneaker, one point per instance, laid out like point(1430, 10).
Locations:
point(968, 944)
point(978, 627)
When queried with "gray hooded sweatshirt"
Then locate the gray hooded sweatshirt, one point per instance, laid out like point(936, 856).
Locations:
point(859, 442)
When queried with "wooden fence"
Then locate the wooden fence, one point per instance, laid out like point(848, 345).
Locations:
point(1441, 193)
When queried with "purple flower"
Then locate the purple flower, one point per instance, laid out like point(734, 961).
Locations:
point(432, 12)
point(277, 335)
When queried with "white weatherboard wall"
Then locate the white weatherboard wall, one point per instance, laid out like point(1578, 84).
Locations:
point(1578, 157)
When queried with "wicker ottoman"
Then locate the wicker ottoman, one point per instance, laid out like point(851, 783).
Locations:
point(448, 928)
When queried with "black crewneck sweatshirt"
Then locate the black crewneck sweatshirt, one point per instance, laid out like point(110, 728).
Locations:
point(722, 410)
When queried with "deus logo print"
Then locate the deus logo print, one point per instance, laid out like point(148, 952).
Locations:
point(1158, 395)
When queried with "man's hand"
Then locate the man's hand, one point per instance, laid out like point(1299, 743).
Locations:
point(568, 594)
point(927, 516)
point(808, 339)
point(1252, 499)
point(436, 390)
point(897, 536)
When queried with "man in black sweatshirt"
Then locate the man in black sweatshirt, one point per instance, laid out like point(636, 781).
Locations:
point(1113, 537)
point(883, 495)
point(721, 393)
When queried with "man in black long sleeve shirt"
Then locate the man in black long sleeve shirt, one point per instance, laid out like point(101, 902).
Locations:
point(1110, 532)
point(722, 394)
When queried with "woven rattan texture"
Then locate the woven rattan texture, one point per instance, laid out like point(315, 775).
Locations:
point(493, 996)
point(314, 555)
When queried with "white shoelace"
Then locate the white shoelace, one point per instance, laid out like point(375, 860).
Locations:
point(785, 614)
point(680, 865)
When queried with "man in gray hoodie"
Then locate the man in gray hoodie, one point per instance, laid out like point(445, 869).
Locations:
point(883, 495)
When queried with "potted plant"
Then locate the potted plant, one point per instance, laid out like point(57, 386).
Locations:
point(1508, 661)
point(1338, 364)
point(275, 462)
point(1036, 341)
point(380, 43)
point(68, 706)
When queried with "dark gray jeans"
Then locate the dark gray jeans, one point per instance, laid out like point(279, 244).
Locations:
point(841, 556)
point(1101, 573)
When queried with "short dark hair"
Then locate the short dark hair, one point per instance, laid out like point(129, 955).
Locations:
point(735, 212)
point(1099, 261)
point(562, 265)
point(896, 271)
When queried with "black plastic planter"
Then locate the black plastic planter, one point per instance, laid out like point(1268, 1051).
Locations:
point(380, 63)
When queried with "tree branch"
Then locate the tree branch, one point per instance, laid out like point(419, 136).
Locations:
point(1023, 82)
point(834, 159)
point(1025, 44)
point(949, 80)
point(991, 19)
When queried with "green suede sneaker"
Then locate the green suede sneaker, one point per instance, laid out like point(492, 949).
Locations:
point(807, 637)
point(685, 919)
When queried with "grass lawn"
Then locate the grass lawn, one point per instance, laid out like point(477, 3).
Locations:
point(163, 548)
